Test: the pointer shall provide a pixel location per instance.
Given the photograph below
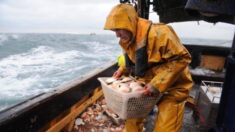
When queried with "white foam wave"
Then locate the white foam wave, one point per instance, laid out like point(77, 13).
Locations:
point(3, 38)
point(15, 36)
point(40, 58)
point(17, 88)
point(21, 74)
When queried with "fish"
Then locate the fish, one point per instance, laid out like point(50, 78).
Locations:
point(95, 118)
point(126, 79)
point(110, 80)
point(125, 84)
point(124, 89)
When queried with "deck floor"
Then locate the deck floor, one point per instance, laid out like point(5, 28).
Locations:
point(189, 124)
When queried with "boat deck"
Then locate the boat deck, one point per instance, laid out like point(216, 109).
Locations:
point(189, 123)
point(95, 118)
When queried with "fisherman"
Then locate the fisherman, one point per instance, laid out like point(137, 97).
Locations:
point(153, 54)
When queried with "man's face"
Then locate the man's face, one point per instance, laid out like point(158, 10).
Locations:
point(123, 34)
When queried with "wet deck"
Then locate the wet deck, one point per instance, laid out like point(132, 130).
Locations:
point(96, 119)
point(189, 123)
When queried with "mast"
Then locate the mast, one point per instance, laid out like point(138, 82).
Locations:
point(142, 7)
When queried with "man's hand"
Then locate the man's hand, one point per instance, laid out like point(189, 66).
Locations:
point(147, 89)
point(117, 74)
point(150, 91)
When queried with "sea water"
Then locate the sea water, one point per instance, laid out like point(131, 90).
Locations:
point(31, 64)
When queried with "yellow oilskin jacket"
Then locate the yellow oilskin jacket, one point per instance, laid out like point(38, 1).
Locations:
point(160, 59)
point(167, 57)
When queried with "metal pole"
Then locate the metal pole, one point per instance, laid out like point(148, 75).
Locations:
point(225, 121)
point(233, 46)
point(143, 8)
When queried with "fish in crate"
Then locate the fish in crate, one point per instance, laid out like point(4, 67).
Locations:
point(125, 97)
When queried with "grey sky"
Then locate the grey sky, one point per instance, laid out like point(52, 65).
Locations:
point(84, 16)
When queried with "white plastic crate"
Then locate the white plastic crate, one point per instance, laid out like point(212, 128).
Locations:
point(208, 99)
point(213, 90)
point(128, 105)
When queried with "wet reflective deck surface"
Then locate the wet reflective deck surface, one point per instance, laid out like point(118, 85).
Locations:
point(189, 123)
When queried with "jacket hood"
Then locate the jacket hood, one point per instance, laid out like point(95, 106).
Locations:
point(122, 16)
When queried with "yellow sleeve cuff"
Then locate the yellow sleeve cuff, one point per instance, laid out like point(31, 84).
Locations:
point(122, 68)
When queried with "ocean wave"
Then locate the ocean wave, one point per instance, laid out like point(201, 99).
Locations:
point(30, 73)
point(3, 38)
point(36, 63)
point(14, 36)
point(7, 37)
